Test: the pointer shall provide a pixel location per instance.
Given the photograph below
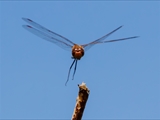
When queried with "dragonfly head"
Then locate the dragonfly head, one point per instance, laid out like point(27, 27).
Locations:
point(77, 52)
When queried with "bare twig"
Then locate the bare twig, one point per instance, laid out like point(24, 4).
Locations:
point(80, 102)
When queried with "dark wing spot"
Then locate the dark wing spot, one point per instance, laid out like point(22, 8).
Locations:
point(49, 31)
point(29, 26)
point(30, 20)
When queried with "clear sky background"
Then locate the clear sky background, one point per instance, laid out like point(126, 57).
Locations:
point(123, 77)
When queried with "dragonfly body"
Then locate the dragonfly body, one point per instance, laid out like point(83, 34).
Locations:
point(77, 50)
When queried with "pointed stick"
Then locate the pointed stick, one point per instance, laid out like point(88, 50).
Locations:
point(80, 102)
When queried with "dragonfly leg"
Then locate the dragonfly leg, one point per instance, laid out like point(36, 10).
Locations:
point(69, 71)
point(74, 70)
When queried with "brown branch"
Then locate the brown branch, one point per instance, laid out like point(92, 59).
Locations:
point(80, 102)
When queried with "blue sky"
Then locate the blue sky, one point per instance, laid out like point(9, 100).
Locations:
point(123, 77)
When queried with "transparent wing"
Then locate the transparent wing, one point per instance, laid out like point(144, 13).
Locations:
point(89, 45)
point(57, 38)
point(115, 40)
point(101, 40)
point(120, 39)
point(48, 37)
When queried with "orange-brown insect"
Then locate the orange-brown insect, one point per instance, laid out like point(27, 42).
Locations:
point(77, 50)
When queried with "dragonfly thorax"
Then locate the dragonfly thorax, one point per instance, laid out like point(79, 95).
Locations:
point(77, 51)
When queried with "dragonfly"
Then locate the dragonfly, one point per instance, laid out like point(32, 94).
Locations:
point(63, 42)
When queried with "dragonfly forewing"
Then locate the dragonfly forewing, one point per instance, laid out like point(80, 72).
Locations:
point(102, 39)
point(48, 37)
point(48, 32)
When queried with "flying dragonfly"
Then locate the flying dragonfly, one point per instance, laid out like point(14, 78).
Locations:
point(77, 50)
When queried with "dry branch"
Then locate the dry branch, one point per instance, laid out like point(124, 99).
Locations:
point(80, 102)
